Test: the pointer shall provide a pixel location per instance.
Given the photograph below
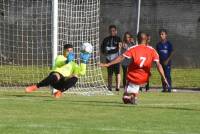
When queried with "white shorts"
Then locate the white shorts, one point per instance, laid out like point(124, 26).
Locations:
point(132, 88)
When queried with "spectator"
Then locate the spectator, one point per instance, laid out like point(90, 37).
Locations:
point(128, 41)
point(165, 51)
point(110, 48)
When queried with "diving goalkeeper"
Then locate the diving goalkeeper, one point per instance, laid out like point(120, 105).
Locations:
point(65, 72)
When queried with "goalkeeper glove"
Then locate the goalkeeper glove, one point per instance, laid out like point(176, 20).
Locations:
point(85, 57)
point(70, 57)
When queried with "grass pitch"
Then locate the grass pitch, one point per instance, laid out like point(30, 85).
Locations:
point(156, 113)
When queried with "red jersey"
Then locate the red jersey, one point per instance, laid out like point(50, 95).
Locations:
point(139, 70)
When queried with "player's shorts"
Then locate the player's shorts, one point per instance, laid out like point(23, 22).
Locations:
point(113, 69)
point(132, 88)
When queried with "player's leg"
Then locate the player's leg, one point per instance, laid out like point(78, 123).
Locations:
point(168, 77)
point(140, 89)
point(68, 83)
point(124, 68)
point(49, 80)
point(64, 84)
point(116, 69)
point(131, 93)
point(147, 86)
point(110, 73)
point(164, 86)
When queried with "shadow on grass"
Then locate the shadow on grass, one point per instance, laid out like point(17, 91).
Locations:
point(120, 104)
point(171, 108)
point(25, 95)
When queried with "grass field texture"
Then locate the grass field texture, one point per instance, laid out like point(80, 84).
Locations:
point(156, 113)
point(181, 78)
point(17, 75)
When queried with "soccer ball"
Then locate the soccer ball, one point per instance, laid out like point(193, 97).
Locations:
point(86, 48)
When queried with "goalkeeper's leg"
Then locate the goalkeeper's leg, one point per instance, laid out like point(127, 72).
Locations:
point(63, 85)
point(49, 80)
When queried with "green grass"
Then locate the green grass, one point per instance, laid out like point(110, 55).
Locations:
point(17, 75)
point(156, 113)
point(181, 78)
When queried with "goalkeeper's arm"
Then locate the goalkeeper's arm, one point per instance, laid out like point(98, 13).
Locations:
point(81, 69)
point(60, 61)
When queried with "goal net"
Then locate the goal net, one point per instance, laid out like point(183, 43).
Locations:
point(26, 34)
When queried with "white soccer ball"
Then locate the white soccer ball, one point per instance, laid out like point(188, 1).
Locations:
point(87, 47)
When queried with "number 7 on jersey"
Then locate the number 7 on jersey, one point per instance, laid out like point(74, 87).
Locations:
point(142, 59)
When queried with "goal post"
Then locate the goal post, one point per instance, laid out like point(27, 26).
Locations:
point(33, 34)
point(54, 30)
point(138, 16)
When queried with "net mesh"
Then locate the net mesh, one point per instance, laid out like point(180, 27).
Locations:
point(78, 23)
point(25, 41)
point(26, 34)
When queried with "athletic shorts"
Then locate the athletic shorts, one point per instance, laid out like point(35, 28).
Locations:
point(113, 69)
point(132, 88)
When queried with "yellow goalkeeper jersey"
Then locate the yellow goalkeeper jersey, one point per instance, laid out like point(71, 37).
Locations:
point(68, 69)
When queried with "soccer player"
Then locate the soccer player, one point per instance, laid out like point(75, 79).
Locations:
point(165, 51)
point(142, 56)
point(65, 72)
point(149, 43)
point(127, 42)
point(110, 48)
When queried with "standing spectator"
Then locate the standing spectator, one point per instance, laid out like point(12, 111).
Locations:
point(165, 51)
point(128, 41)
point(110, 48)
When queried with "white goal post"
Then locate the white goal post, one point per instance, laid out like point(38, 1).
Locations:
point(33, 33)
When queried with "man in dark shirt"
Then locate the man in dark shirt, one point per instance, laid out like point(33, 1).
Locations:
point(110, 48)
point(165, 51)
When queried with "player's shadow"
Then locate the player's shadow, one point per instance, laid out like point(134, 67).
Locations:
point(100, 103)
point(170, 108)
point(120, 104)
point(25, 95)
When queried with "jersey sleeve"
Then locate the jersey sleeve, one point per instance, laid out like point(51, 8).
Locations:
point(79, 69)
point(59, 61)
point(155, 56)
point(129, 53)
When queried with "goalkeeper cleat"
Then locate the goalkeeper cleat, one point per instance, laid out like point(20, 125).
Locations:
point(57, 94)
point(30, 89)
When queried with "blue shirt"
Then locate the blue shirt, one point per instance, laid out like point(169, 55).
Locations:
point(164, 50)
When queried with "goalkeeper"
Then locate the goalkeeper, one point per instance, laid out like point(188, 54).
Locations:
point(65, 72)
